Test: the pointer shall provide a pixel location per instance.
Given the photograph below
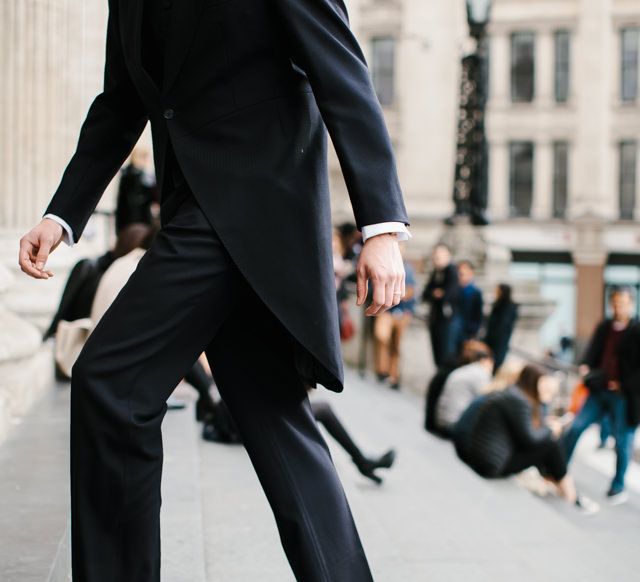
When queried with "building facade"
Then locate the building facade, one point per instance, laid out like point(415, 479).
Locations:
point(563, 126)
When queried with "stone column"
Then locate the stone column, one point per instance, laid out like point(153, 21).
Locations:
point(590, 257)
point(500, 58)
point(545, 59)
point(498, 179)
point(593, 70)
point(543, 180)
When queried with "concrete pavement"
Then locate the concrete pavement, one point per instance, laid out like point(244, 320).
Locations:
point(431, 520)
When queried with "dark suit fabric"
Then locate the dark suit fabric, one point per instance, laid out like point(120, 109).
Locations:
point(187, 296)
point(246, 87)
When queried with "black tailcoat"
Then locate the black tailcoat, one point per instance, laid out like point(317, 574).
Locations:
point(247, 87)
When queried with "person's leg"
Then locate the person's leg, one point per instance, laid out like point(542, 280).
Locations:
point(623, 435)
point(151, 335)
point(324, 414)
point(382, 332)
point(256, 376)
point(605, 430)
point(435, 334)
point(200, 380)
point(400, 324)
point(591, 412)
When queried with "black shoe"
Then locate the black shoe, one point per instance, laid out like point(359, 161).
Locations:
point(395, 385)
point(382, 377)
point(205, 408)
point(367, 467)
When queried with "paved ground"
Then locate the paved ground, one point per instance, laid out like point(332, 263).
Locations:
point(432, 520)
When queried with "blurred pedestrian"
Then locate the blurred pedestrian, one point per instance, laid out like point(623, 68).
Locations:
point(469, 305)
point(389, 330)
point(461, 387)
point(501, 323)
point(351, 240)
point(503, 433)
point(136, 191)
point(342, 269)
point(611, 372)
point(441, 293)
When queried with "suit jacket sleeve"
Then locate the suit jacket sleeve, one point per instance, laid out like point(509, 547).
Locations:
point(112, 127)
point(323, 46)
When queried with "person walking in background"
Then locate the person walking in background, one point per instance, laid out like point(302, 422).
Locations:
point(503, 433)
point(136, 191)
point(461, 387)
point(441, 293)
point(501, 323)
point(389, 330)
point(611, 372)
point(470, 304)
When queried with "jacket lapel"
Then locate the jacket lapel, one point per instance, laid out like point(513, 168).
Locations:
point(184, 22)
point(186, 14)
point(131, 32)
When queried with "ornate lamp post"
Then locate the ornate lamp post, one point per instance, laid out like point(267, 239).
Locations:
point(470, 185)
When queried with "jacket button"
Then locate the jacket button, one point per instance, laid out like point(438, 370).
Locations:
point(168, 114)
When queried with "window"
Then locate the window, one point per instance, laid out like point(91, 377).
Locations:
point(522, 67)
point(560, 178)
point(383, 69)
point(630, 42)
point(521, 178)
point(628, 182)
point(562, 65)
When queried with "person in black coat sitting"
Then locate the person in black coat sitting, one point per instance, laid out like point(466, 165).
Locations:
point(503, 433)
point(502, 321)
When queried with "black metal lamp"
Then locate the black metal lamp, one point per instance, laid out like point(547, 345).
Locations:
point(478, 13)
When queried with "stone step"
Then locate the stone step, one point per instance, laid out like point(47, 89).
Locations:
point(34, 507)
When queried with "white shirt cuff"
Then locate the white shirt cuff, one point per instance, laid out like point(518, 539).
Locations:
point(67, 237)
point(386, 228)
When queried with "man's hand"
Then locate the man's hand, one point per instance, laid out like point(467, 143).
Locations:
point(381, 263)
point(36, 245)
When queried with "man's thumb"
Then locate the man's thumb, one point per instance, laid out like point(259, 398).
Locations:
point(43, 255)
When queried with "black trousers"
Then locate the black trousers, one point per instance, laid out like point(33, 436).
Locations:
point(185, 297)
point(548, 457)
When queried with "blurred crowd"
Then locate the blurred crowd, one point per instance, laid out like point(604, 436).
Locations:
point(503, 418)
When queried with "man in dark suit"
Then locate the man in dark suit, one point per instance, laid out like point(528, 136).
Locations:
point(237, 92)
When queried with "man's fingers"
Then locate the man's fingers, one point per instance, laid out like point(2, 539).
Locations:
point(379, 296)
point(361, 287)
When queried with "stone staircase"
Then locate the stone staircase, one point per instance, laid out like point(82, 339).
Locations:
point(432, 520)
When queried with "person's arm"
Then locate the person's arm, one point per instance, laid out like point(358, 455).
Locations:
point(323, 46)
point(112, 127)
point(476, 320)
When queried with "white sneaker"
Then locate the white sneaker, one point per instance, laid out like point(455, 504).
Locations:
point(586, 506)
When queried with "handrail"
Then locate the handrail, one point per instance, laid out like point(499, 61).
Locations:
point(548, 362)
